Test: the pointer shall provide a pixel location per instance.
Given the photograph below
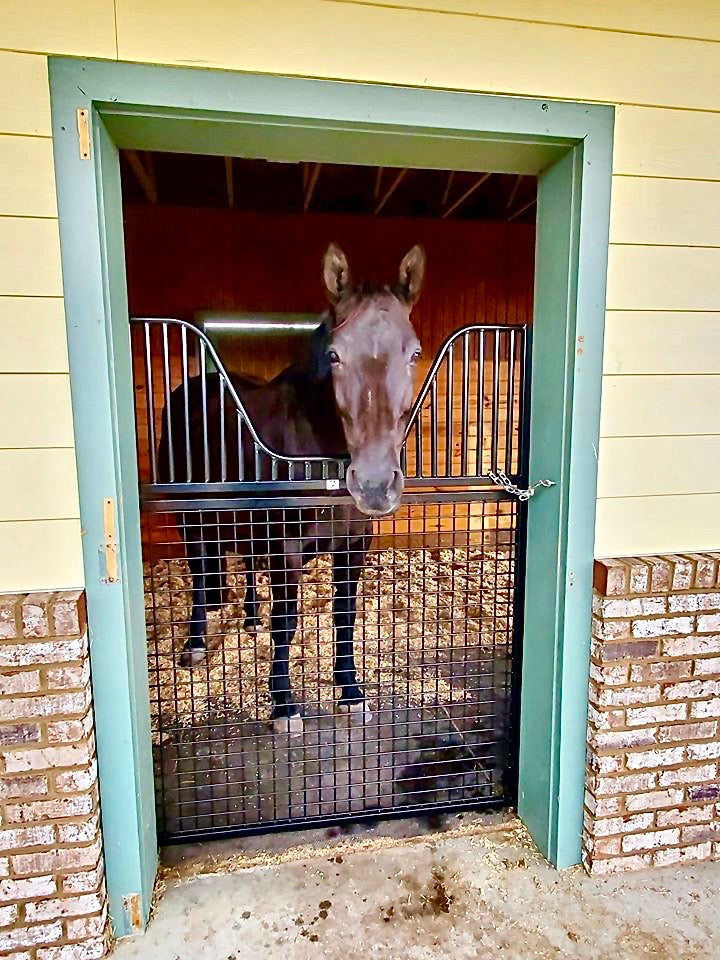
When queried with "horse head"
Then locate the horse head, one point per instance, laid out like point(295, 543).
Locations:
point(373, 350)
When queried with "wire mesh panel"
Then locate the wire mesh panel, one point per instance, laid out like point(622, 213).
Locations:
point(388, 647)
point(433, 649)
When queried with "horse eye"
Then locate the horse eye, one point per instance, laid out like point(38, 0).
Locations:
point(415, 355)
point(333, 358)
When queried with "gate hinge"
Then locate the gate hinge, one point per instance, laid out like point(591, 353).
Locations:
point(109, 542)
point(83, 128)
point(501, 480)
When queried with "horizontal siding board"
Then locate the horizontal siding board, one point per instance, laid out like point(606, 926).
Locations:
point(73, 27)
point(696, 18)
point(24, 94)
point(656, 406)
point(30, 262)
point(659, 142)
point(663, 278)
point(421, 49)
point(38, 485)
point(36, 409)
point(655, 466)
point(32, 335)
point(659, 211)
point(43, 555)
point(27, 178)
point(627, 526)
point(658, 342)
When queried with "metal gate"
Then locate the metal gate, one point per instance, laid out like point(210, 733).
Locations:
point(438, 625)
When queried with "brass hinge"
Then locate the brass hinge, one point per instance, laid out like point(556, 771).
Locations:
point(83, 126)
point(110, 542)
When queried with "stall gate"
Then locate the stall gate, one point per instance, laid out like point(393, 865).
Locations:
point(438, 623)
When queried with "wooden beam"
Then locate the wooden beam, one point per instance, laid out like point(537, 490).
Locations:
point(514, 216)
point(448, 184)
point(310, 186)
point(514, 190)
point(468, 193)
point(390, 191)
point(229, 181)
point(145, 177)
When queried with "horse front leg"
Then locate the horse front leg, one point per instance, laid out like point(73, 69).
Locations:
point(347, 566)
point(284, 580)
point(252, 607)
point(195, 648)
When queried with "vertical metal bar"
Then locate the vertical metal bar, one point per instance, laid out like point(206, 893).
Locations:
point(418, 444)
point(223, 446)
point(449, 413)
point(433, 428)
point(258, 462)
point(150, 399)
point(524, 407)
point(480, 404)
point(495, 401)
point(510, 404)
point(166, 392)
point(274, 468)
point(241, 452)
point(203, 381)
point(465, 401)
point(186, 399)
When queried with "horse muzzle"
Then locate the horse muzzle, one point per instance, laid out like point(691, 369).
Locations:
point(376, 496)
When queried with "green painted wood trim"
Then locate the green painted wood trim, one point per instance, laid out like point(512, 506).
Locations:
point(89, 206)
point(569, 145)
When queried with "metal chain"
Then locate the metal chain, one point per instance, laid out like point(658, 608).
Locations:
point(500, 480)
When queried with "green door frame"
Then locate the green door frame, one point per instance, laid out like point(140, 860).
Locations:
point(569, 147)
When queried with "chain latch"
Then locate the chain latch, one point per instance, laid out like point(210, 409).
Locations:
point(501, 480)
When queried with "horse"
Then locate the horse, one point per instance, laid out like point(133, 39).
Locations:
point(351, 396)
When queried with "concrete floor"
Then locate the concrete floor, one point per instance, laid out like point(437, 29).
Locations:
point(473, 888)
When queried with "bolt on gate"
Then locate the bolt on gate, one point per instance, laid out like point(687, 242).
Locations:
point(436, 638)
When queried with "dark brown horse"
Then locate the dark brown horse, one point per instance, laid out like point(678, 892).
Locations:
point(351, 395)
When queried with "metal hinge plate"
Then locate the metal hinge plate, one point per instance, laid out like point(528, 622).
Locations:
point(83, 128)
point(109, 542)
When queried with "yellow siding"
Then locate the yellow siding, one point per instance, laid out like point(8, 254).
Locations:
point(72, 27)
point(27, 178)
point(32, 334)
point(43, 554)
point(382, 44)
point(38, 484)
point(660, 406)
point(653, 466)
point(662, 352)
point(36, 410)
point(668, 212)
point(657, 342)
point(649, 525)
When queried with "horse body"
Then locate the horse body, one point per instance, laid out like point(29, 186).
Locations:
point(350, 396)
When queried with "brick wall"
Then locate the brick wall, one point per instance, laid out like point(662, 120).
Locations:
point(653, 776)
point(52, 896)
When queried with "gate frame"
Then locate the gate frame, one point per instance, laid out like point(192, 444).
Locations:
point(569, 147)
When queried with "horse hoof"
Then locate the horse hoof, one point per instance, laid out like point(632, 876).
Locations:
point(251, 624)
point(292, 726)
point(192, 657)
point(358, 711)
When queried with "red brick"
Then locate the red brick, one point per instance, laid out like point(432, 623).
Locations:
point(74, 806)
point(705, 708)
point(90, 950)
point(670, 778)
point(79, 832)
point(20, 733)
point(651, 840)
point(626, 696)
point(621, 739)
point(12, 890)
point(86, 927)
point(607, 786)
point(627, 824)
point(47, 706)
point(64, 678)
point(63, 907)
point(8, 915)
point(69, 731)
point(700, 851)
point(59, 860)
point(602, 806)
point(610, 578)
point(680, 818)
point(69, 614)
point(651, 759)
point(19, 681)
point(30, 936)
point(664, 713)
point(655, 800)
point(692, 690)
point(701, 833)
point(632, 650)
point(692, 602)
point(76, 781)
point(661, 574)
point(45, 758)
point(704, 751)
point(688, 731)
point(9, 617)
point(23, 837)
point(708, 622)
point(611, 676)
point(691, 646)
point(22, 787)
point(639, 576)
point(707, 666)
point(34, 615)
point(708, 791)
point(683, 570)
point(86, 881)
point(635, 607)
point(705, 566)
point(30, 654)
point(602, 868)
point(610, 629)
point(662, 627)
point(664, 670)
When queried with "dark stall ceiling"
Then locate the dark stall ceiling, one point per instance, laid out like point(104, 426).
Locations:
point(261, 186)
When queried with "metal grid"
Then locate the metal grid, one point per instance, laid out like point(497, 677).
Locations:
point(437, 624)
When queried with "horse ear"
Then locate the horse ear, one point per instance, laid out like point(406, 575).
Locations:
point(336, 272)
point(412, 271)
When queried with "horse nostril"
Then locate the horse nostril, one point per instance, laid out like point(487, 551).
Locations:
point(398, 482)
